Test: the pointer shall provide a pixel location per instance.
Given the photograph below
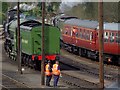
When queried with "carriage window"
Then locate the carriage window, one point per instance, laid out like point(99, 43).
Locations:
point(83, 34)
point(97, 34)
point(87, 35)
point(76, 34)
point(112, 37)
point(91, 35)
point(75, 30)
point(117, 38)
point(71, 32)
point(66, 32)
point(106, 36)
point(80, 33)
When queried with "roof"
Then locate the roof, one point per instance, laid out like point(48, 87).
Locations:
point(24, 22)
point(68, 17)
point(31, 23)
point(82, 23)
point(14, 10)
point(14, 22)
point(93, 24)
point(27, 24)
point(111, 26)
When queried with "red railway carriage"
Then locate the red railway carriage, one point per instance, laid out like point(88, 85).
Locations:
point(111, 41)
point(81, 37)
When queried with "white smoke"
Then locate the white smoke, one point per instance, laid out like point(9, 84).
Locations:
point(68, 4)
point(26, 7)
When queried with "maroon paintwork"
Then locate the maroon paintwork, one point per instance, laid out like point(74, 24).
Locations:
point(69, 37)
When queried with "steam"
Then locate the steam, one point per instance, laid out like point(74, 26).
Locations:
point(66, 5)
point(26, 7)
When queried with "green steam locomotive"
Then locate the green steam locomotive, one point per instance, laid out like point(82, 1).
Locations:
point(31, 42)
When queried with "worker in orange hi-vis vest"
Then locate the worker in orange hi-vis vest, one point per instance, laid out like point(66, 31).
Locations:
point(56, 73)
point(48, 73)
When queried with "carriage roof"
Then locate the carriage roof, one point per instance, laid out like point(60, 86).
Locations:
point(93, 24)
point(111, 26)
point(82, 23)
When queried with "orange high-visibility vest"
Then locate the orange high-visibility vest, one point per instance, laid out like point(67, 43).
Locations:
point(55, 69)
point(47, 71)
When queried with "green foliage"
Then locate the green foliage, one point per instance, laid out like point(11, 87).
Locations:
point(5, 6)
point(119, 12)
point(40, 5)
point(3, 10)
point(111, 12)
point(50, 8)
point(89, 11)
point(56, 6)
point(37, 11)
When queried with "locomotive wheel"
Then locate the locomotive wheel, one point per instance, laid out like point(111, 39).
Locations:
point(14, 58)
point(39, 65)
point(28, 63)
point(9, 54)
point(31, 64)
point(80, 52)
point(73, 49)
point(5, 47)
point(27, 58)
point(119, 61)
point(88, 54)
point(63, 46)
point(35, 65)
point(24, 60)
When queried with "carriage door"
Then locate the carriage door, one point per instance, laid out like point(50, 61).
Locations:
point(93, 40)
point(74, 35)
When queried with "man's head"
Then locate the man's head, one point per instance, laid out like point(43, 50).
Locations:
point(49, 62)
point(57, 62)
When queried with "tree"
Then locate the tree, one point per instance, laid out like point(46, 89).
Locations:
point(5, 6)
point(4, 9)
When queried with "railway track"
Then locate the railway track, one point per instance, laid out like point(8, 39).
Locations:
point(77, 82)
point(110, 74)
point(74, 80)
point(80, 78)
point(9, 83)
point(1, 32)
point(93, 71)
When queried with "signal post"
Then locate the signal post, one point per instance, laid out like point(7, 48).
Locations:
point(43, 53)
point(18, 40)
point(101, 44)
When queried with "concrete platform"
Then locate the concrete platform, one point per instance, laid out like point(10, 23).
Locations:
point(30, 77)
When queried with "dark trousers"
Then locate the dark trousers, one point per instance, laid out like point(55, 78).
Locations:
point(48, 79)
point(56, 78)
